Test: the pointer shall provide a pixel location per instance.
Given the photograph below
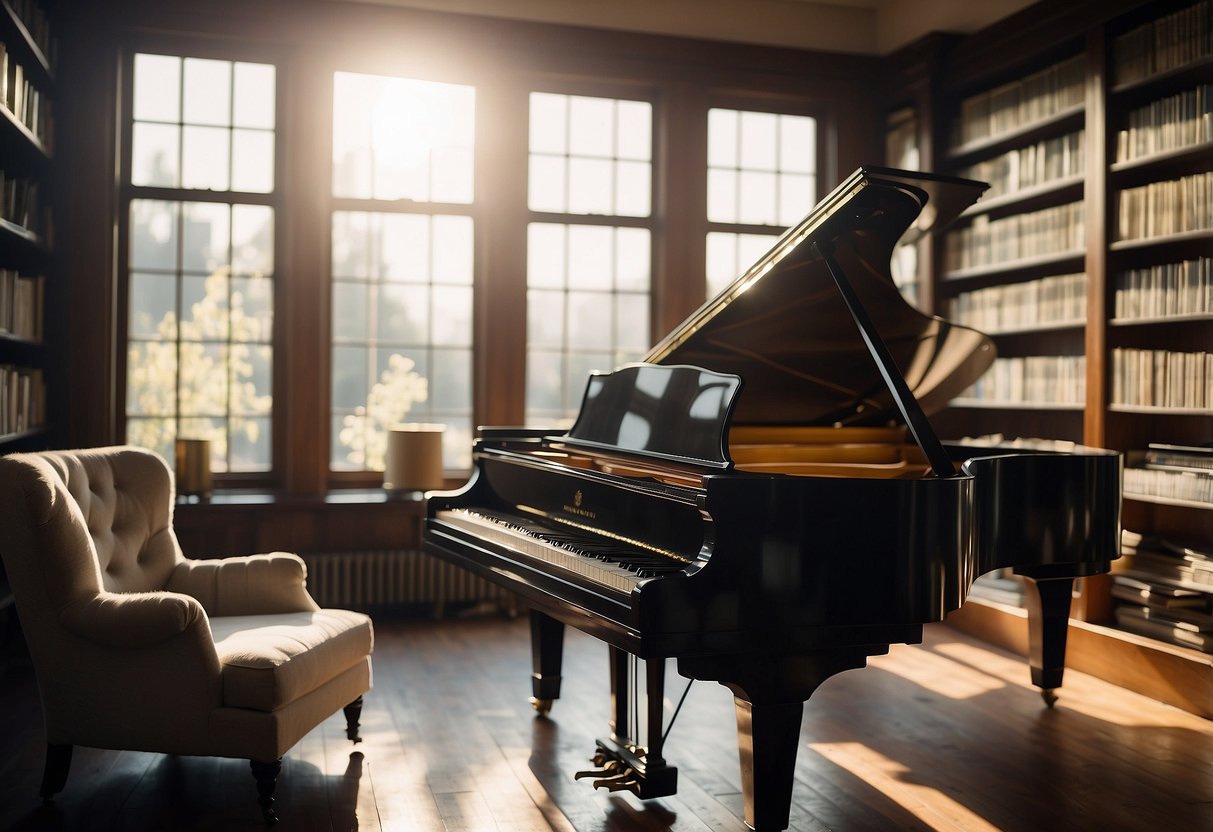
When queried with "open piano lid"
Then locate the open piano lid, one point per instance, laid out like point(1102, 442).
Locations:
point(784, 327)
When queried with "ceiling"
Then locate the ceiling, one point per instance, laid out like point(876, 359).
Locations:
point(868, 27)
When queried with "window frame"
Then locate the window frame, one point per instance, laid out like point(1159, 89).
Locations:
point(127, 192)
point(680, 79)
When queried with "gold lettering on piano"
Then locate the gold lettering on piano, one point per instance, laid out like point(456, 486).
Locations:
point(576, 508)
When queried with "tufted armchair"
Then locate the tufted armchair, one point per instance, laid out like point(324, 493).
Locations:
point(137, 647)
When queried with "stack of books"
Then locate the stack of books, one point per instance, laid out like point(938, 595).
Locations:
point(1164, 589)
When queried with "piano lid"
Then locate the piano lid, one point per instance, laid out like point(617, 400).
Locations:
point(784, 327)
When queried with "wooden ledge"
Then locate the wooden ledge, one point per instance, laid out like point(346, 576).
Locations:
point(1175, 675)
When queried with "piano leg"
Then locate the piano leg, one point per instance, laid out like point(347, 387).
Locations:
point(769, 693)
point(1048, 604)
point(547, 653)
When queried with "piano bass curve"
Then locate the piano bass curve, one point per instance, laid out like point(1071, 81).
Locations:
point(764, 500)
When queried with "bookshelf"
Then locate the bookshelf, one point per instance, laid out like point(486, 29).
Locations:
point(26, 127)
point(1089, 263)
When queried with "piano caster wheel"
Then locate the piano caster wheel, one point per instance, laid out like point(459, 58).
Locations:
point(1049, 696)
point(541, 706)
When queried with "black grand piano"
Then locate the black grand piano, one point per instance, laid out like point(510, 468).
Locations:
point(764, 499)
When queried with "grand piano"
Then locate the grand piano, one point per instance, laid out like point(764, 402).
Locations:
point(764, 500)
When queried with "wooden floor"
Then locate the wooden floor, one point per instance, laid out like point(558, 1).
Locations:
point(946, 735)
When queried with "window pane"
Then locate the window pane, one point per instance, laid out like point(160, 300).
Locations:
point(157, 95)
point(756, 203)
point(253, 309)
point(155, 158)
point(153, 306)
point(635, 129)
point(722, 196)
point(151, 378)
point(206, 236)
point(252, 239)
point(254, 105)
point(758, 141)
point(547, 186)
point(153, 234)
point(208, 92)
point(633, 260)
point(204, 307)
point(722, 138)
point(634, 187)
point(453, 249)
point(590, 186)
point(549, 123)
point(590, 263)
point(205, 159)
point(797, 144)
point(350, 311)
point(253, 161)
point(591, 126)
point(545, 254)
point(402, 138)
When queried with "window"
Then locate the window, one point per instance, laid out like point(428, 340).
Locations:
point(588, 282)
point(762, 178)
point(200, 258)
point(402, 257)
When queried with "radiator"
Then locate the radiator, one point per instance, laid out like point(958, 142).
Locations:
point(397, 577)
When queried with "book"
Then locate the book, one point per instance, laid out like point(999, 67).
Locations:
point(1138, 620)
point(1159, 596)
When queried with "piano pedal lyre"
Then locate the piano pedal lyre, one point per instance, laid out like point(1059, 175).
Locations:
point(622, 767)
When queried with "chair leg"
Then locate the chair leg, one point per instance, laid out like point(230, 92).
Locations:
point(266, 775)
point(54, 775)
point(353, 712)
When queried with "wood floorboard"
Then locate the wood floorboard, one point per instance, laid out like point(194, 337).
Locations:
point(947, 735)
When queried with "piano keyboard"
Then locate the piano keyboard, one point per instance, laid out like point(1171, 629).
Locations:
point(606, 563)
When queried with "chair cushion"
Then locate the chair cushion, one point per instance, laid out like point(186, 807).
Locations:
point(271, 660)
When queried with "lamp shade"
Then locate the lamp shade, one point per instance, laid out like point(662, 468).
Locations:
point(414, 458)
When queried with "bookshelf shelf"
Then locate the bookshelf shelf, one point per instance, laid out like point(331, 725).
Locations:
point(1180, 159)
point(1161, 320)
point(1065, 261)
point(982, 404)
point(1168, 501)
point(1160, 240)
point(1156, 410)
point(1064, 121)
point(1195, 69)
point(1052, 326)
point(25, 39)
point(1063, 189)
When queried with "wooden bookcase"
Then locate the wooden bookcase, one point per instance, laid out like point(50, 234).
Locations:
point(27, 366)
point(26, 87)
point(1075, 231)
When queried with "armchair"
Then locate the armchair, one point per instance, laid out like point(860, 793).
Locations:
point(137, 647)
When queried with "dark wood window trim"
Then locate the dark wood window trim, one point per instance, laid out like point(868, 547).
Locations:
point(504, 60)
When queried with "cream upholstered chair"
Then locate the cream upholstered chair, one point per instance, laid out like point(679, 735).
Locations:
point(136, 647)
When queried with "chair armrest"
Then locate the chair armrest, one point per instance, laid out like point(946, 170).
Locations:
point(263, 584)
point(134, 620)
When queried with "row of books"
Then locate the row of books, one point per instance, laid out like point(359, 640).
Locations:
point(37, 23)
point(1165, 289)
point(1172, 123)
point(21, 302)
point(1172, 206)
point(20, 203)
point(1169, 484)
point(1162, 378)
point(1033, 379)
point(1165, 43)
point(22, 398)
point(1050, 300)
point(1027, 167)
point(1009, 107)
point(23, 99)
point(984, 242)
